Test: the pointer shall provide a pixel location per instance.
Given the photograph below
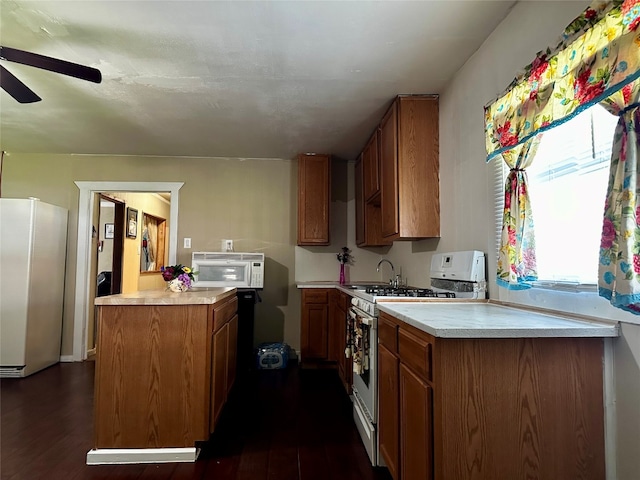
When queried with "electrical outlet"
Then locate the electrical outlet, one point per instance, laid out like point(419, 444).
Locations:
point(227, 245)
point(187, 242)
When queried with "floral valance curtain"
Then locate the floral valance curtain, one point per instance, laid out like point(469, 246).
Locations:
point(599, 52)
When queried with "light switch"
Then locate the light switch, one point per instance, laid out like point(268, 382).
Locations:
point(187, 242)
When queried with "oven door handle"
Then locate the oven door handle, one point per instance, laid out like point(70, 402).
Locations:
point(355, 312)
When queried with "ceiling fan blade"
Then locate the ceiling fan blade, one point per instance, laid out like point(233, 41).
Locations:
point(51, 64)
point(16, 88)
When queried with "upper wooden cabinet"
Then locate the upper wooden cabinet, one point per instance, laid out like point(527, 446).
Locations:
point(409, 168)
point(371, 168)
point(314, 199)
point(368, 213)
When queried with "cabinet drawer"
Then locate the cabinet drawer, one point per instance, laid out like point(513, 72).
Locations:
point(315, 295)
point(416, 351)
point(388, 333)
point(224, 312)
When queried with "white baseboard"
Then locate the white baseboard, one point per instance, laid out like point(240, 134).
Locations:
point(66, 358)
point(120, 456)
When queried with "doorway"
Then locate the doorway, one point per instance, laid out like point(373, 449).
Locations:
point(107, 257)
point(85, 278)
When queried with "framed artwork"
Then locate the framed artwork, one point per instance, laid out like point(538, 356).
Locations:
point(108, 230)
point(132, 222)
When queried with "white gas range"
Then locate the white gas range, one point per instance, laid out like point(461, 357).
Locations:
point(453, 275)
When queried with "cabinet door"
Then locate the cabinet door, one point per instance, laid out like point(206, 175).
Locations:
point(389, 172)
point(218, 373)
point(368, 214)
point(416, 426)
point(360, 205)
point(418, 177)
point(388, 416)
point(335, 340)
point(232, 352)
point(314, 199)
point(315, 318)
point(371, 168)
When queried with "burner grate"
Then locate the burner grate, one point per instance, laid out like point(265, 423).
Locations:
point(408, 292)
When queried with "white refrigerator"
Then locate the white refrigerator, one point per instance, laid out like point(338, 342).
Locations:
point(33, 245)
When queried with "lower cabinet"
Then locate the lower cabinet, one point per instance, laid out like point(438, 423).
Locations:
point(338, 308)
point(405, 424)
point(314, 328)
point(163, 372)
point(388, 419)
point(416, 426)
point(224, 345)
point(323, 331)
point(219, 355)
point(489, 408)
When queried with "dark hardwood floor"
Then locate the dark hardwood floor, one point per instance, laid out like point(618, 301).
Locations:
point(288, 424)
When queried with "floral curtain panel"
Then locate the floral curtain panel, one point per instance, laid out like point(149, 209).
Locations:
point(517, 256)
point(619, 269)
point(599, 52)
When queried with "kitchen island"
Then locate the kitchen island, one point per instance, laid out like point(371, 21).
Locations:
point(165, 363)
point(475, 390)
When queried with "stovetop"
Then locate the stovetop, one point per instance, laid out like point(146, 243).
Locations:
point(377, 291)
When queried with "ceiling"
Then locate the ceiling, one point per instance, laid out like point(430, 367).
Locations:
point(265, 79)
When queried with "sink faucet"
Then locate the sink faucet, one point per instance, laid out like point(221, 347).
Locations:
point(394, 277)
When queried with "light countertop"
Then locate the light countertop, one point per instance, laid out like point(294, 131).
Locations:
point(195, 296)
point(451, 319)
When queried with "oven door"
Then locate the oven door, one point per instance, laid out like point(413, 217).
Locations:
point(364, 353)
point(222, 273)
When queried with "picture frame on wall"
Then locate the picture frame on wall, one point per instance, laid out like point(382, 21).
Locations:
point(108, 231)
point(132, 222)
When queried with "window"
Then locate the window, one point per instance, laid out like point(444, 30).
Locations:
point(567, 186)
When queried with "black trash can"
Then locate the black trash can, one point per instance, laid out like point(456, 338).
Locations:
point(247, 299)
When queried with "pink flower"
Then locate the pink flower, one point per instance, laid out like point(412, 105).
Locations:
point(636, 263)
point(512, 236)
point(627, 90)
point(538, 67)
point(608, 233)
point(585, 91)
point(638, 215)
point(506, 138)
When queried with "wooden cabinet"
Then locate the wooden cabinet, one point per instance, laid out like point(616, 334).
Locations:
point(488, 408)
point(416, 426)
point(360, 203)
point(323, 331)
point(219, 344)
point(162, 372)
point(409, 168)
point(338, 307)
point(389, 399)
point(314, 199)
point(232, 353)
point(405, 403)
point(368, 213)
point(314, 328)
point(371, 168)
point(224, 346)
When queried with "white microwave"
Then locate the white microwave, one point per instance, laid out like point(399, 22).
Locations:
point(228, 269)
